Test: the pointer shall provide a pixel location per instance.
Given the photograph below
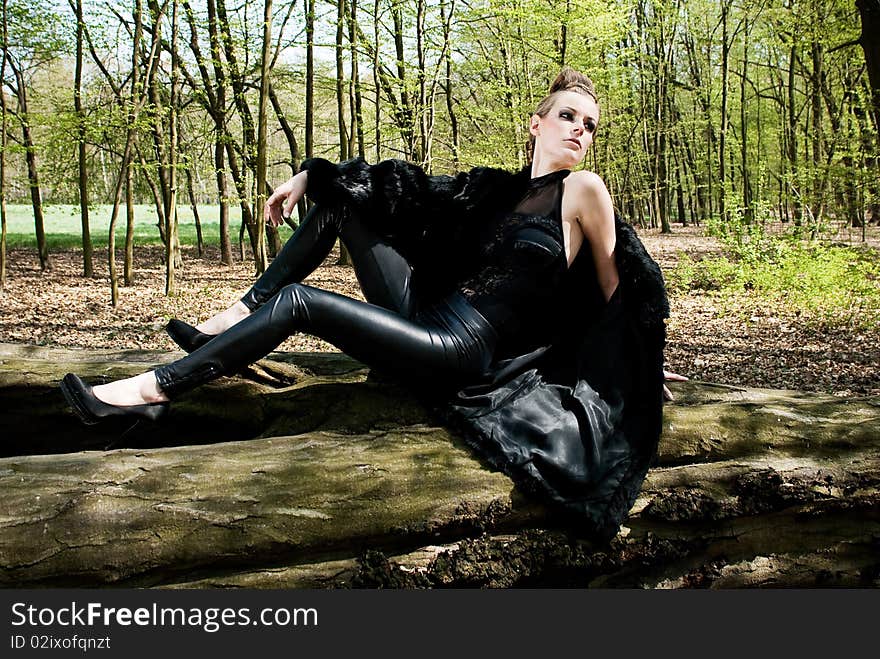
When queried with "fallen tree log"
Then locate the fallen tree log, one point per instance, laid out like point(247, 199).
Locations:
point(306, 472)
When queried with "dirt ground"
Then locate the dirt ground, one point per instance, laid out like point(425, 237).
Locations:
point(749, 343)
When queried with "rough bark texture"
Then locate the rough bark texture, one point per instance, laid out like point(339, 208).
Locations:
point(306, 472)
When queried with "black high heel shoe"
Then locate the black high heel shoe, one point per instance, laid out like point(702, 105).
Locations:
point(186, 336)
point(91, 410)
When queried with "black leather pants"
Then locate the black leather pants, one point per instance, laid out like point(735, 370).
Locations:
point(445, 343)
point(385, 277)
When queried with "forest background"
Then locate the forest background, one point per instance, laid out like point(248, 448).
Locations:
point(749, 126)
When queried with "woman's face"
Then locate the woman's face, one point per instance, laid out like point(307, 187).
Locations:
point(564, 134)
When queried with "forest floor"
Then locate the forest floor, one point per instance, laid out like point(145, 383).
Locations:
point(742, 340)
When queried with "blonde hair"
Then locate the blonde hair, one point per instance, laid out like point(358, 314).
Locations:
point(568, 80)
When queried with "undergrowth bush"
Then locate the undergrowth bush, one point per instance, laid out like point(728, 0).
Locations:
point(831, 284)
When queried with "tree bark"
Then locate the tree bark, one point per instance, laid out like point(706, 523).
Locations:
point(404, 112)
point(816, 134)
point(128, 261)
point(344, 145)
point(215, 103)
point(344, 138)
point(354, 87)
point(748, 209)
point(135, 100)
point(310, 78)
point(345, 480)
point(262, 146)
point(32, 170)
point(239, 95)
point(869, 10)
point(447, 84)
point(422, 106)
point(3, 138)
point(377, 96)
point(725, 119)
point(88, 265)
point(295, 155)
point(200, 243)
point(793, 192)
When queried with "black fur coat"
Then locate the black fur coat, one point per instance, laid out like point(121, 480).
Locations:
point(575, 423)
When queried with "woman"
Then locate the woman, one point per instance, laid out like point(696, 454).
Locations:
point(474, 291)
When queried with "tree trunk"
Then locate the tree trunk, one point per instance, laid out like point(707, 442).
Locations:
point(344, 142)
point(3, 228)
point(344, 147)
point(310, 78)
point(793, 192)
point(238, 179)
point(377, 96)
point(248, 142)
point(722, 140)
point(404, 114)
point(200, 244)
point(869, 10)
point(816, 135)
point(3, 140)
point(135, 100)
point(262, 141)
point(513, 119)
point(32, 172)
point(295, 155)
point(744, 132)
point(679, 191)
point(562, 41)
point(220, 132)
point(422, 107)
point(752, 488)
point(157, 125)
point(172, 245)
point(447, 86)
point(223, 193)
point(124, 177)
point(354, 86)
point(703, 184)
point(88, 265)
point(128, 263)
point(158, 204)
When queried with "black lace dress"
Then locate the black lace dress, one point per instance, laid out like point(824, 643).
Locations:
point(571, 408)
point(563, 401)
point(518, 286)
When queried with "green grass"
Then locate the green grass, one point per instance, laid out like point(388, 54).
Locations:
point(833, 284)
point(62, 225)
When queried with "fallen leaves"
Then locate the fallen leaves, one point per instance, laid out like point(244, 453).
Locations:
point(751, 342)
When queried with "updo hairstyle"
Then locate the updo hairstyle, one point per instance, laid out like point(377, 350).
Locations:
point(568, 80)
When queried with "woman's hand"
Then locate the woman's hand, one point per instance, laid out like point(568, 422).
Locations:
point(669, 376)
point(285, 197)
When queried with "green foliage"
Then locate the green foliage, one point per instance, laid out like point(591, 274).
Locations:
point(709, 274)
point(37, 33)
point(829, 284)
point(745, 236)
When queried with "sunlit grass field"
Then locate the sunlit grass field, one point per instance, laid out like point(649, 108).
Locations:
point(62, 225)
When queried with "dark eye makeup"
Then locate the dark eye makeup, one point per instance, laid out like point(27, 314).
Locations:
point(568, 115)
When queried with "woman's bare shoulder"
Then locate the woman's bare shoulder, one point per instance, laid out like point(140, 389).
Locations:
point(585, 181)
point(588, 198)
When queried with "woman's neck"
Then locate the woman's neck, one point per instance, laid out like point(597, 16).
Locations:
point(540, 167)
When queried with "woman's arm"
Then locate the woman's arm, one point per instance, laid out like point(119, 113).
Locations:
point(595, 216)
point(284, 198)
